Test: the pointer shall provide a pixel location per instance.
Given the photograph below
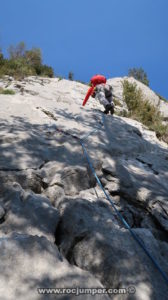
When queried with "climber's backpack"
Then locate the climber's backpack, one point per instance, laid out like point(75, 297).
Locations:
point(108, 90)
point(95, 80)
point(98, 79)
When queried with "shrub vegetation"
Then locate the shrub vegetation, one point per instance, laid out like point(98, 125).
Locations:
point(116, 101)
point(143, 111)
point(23, 62)
point(7, 92)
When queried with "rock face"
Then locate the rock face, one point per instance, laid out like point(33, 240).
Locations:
point(164, 109)
point(28, 213)
point(30, 264)
point(57, 229)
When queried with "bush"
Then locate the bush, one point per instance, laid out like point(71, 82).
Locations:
point(7, 92)
point(17, 51)
point(143, 111)
point(17, 68)
point(122, 113)
point(116, 102)
point(22, 63)
point(33, 57)
point(44, 70)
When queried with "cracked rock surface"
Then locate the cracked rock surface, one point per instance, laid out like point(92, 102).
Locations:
point(32, 262)
point(57, 229)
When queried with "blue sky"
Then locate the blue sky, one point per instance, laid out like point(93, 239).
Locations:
point(92, 36)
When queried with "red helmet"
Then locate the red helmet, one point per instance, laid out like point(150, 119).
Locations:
point(95, 80)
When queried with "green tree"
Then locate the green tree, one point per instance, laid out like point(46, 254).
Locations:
point(33, 57)
point(71, 76)
point(17, 51)
point(1, 58)
point(22, 62)
point(47, 71)
point(139, 74)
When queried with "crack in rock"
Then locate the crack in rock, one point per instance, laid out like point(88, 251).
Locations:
point(149, 165)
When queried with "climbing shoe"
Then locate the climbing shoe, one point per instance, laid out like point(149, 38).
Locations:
point(109, 109)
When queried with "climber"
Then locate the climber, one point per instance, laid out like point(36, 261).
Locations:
point(102, 91)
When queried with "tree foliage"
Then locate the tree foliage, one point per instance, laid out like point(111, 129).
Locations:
point(17, 51)
point(33, 57)
point(1, 58)
point(23, 62)
point(71, 76)
point(139, 74)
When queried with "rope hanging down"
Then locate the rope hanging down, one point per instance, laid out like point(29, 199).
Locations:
point(134, 235)
point(121, 217)
point(137, 239)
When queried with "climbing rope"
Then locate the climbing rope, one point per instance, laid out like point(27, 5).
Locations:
point(121, 217)
point(134, 235)
point(127, 226)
